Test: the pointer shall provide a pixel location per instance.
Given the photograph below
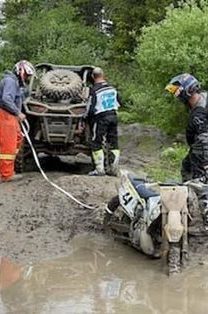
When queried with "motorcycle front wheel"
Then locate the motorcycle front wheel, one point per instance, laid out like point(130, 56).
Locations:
point(174, 258)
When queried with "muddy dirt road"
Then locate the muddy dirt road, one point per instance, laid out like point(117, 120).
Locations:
point(37, 221)
point(57, 260)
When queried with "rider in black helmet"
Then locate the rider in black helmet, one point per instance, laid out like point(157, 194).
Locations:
point(195, 165)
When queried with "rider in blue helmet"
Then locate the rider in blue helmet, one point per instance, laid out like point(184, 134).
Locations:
point(186, 88)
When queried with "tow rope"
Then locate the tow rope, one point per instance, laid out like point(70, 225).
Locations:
point(25, 128)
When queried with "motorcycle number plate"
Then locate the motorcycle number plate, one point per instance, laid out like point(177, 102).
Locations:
point(127, 200)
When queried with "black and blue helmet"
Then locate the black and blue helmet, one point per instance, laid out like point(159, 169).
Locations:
point(183, 86)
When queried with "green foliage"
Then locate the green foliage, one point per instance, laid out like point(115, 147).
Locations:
point(13, 9)
point(128, 17)
point(170, 164)
point(127, 117)
point(68, 32)
point(90, 11)
point(124, 77)
point(177, 44)
point(174, 154)
point(55, 35)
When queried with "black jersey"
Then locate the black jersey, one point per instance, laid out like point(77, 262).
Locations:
point(198, 121)
point(198, 124)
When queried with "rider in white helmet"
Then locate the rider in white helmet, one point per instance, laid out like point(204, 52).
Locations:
point(10, 115)
point(23, 70)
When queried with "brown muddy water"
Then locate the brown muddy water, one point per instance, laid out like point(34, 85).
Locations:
point(101, 276)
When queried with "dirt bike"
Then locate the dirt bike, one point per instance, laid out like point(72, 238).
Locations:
point(151, 218)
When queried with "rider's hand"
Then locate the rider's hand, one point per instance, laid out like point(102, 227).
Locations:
point(21, 116)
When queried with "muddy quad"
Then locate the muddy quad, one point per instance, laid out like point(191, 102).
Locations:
point(56, 100)
point(151, 218)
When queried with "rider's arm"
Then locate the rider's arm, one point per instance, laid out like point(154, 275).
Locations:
point(197, 124)
point(119, 100)
point(9, 96)
point(91, 103)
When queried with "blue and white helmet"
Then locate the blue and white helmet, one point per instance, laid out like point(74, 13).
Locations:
point(183, 86)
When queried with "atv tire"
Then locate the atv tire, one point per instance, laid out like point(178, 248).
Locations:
point(24, 160)
point(19, 160)
point(61, 84)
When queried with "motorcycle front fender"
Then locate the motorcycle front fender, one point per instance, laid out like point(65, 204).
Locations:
point(174, 228)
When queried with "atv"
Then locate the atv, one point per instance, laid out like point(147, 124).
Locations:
point(55, 103)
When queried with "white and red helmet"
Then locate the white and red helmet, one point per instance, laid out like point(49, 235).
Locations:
point(24, 69)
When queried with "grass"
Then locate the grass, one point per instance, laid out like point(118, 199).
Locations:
point(169, 166)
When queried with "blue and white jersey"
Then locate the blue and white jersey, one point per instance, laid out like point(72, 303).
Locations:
point(103, 98)
point(106, 99)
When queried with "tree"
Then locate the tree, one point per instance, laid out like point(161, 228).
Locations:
point(128, 17)
point(55, 35)
point(176, 45)
point(90, 11)
point(15, 9)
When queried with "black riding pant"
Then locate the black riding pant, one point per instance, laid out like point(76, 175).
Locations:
point(193, 165)
point(104, 128)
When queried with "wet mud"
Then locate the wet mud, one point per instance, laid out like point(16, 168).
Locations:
point(100, 276)
point(38, 222)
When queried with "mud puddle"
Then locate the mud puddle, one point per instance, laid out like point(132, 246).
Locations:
point(102, 276)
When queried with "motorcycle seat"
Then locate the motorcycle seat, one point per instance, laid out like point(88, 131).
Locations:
point(142, 190)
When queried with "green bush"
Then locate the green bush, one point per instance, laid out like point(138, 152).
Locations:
point(55, 36)
point(174, 154)
point(177, 44)
point(127, 117)
point(125, 78)
point(170, 164)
